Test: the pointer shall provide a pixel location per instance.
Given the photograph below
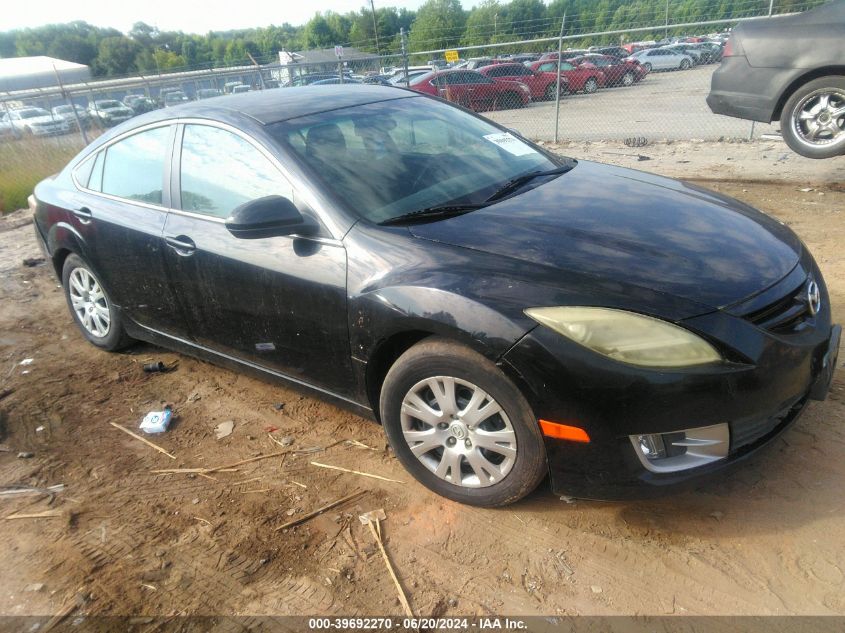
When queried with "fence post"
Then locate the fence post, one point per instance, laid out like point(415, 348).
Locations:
point(771, 7)
point(666, 32)
point(258, 70)
point(557, 92)
point(69, 101)
point(404, 39)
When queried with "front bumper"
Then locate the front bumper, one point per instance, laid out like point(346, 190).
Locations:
point(759, 394)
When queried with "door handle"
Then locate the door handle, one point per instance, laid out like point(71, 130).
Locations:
point(84, 214)
point(182, 244)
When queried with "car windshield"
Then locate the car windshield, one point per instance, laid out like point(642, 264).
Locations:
point(65, 109)
point(106, 105)
point(31, 113)
point(391, 158)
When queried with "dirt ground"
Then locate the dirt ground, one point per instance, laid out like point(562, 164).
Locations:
point(766, 540)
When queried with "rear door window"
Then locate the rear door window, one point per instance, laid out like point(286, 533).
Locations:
point(134, 166)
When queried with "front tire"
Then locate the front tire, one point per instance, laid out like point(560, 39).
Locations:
point(509, 101)
point(647, 66)
point(685, 64)
point(628, 79)
point(460, 426)
point(90, 306)
point(591, 85)
point(813, 118)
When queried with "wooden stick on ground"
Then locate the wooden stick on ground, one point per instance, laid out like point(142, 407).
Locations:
point(320, 510)
point(48, 514)
point(356, 472)
point(144, 440)
point(402, 598)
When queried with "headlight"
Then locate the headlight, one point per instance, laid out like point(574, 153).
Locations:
point(628, 337)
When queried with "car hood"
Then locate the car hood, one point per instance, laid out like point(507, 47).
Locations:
point(42, 119)
point(624, 225)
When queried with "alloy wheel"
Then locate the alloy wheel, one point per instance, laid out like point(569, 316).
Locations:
point(591, 85)
point(458, 431)
point(819, 118)
point(89, 302)
point(627, 79)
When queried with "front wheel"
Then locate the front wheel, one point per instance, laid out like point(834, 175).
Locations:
point(551, 91)
point(628, 78)
point(460, 426)
point(591, 85)
point(684, 64)
point(90, 306)
point(813, 118)
point(647, 67)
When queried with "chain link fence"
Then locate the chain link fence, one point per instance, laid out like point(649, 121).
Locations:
point(41, 129)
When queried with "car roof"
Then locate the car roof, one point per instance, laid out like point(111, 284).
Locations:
point(281, 104)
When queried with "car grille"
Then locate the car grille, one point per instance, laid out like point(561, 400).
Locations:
point(785, 315)
point(745, 433)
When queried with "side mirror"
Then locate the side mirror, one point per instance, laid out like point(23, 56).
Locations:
point(270, 216)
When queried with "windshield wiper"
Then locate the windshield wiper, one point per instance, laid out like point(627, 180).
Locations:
point(433, 213)
point(512, 185)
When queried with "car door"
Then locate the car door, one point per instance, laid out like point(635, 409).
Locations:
point(119, 210)
point(279, 302)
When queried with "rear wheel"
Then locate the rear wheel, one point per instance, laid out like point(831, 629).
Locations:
point(551, 91)
point(90, 306)
point(591, 85)
point(813, 119)
point(460, 427)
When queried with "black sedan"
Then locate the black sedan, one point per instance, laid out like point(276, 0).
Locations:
point(505, 313)
point(788, 69)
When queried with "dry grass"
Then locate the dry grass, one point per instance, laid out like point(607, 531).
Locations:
point(25, 162)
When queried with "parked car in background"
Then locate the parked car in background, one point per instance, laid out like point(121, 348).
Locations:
point(612, 51)
point(380, 80)
point(109, 112)
point(173, 98)
point(712, 52)
point(66, 113)
point(507, 314)
point(305, 80)
point(208, 93)
point(553, 55)
point(240, 89)
point(37, 122)
point(473, 90)
point(617, 72)
point(586, 77)
point(399, 79)
point(792, 69)
point(542, 85)
point(474, 63)
point(691, 50)
point(662, 59)
point(140, 103)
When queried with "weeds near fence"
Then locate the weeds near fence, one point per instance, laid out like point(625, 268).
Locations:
point(23, 163)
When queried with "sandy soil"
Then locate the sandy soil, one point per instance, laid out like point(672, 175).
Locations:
point(766, 540)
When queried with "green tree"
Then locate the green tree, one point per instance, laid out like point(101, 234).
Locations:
point(116, 56)
point(439, 24)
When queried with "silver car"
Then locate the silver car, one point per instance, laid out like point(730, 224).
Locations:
point(37, 122)
point(662, 59)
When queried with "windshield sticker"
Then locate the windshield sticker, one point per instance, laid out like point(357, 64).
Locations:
point(510, 143)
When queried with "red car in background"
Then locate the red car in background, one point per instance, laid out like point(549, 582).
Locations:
point(585, 77)
point(542, 85)
point(473, 90)
point(617, 72)
point(575, 52)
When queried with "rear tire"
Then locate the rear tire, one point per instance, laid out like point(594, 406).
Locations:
point(492, 458)
point(813, 118)
point(90, 306)
point(550, 93)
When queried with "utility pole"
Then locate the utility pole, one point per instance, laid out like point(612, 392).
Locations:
point(557, 92)
point(375, 26)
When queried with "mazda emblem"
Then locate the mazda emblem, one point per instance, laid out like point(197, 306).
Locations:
point(814, 298)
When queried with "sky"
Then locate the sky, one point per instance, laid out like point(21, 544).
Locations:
point(198, 16)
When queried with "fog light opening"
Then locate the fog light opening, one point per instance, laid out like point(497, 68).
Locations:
point(682, 450)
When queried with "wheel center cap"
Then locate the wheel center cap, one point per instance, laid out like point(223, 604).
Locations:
point(824, 117)
point(459, 430)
